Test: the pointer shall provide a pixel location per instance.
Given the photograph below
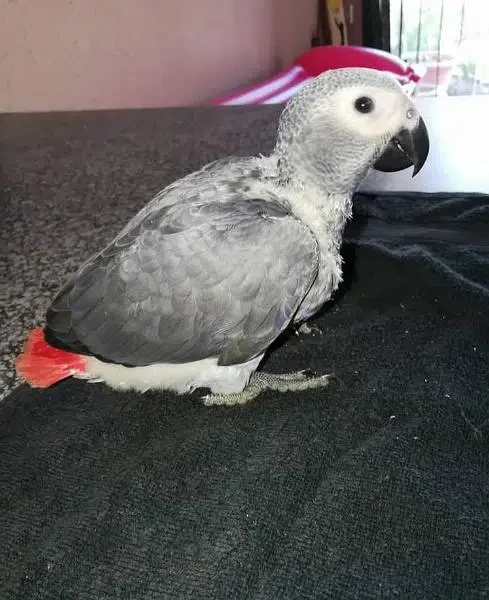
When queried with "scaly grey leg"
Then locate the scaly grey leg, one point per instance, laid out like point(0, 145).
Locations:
point(260, 382)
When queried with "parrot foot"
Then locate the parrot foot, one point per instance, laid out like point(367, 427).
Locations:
point(260, 382)
point(306, 329)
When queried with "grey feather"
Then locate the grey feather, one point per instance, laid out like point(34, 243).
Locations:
point(189, 281)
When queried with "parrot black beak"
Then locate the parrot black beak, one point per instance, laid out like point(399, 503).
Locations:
point(406, 149)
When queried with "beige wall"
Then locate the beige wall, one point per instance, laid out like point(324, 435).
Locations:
point(83, 54)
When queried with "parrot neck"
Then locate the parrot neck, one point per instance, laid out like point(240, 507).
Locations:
point(325, 213)
point(318, 173)
point(329, 168)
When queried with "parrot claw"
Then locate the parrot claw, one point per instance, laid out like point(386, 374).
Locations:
point(260, 382)
point(306, 329)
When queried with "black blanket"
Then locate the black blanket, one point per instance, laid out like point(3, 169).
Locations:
point(376, 487)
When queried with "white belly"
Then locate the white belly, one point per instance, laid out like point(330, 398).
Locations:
point(180, 378)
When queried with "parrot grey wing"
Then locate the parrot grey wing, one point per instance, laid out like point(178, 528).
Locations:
point(193, 280)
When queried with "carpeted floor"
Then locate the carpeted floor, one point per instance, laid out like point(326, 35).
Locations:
point(377, 487)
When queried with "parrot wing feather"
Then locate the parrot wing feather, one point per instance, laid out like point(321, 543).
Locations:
point(192, 280)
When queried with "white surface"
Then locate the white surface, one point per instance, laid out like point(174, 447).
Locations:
point(459, 150)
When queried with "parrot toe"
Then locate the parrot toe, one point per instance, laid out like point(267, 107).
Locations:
point(278, 382)
point(306, 329)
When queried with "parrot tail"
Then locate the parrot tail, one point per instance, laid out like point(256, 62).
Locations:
point(42, 365)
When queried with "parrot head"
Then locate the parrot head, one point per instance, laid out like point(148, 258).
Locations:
point(347, 121)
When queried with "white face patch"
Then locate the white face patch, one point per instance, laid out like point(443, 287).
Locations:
point(392, 110)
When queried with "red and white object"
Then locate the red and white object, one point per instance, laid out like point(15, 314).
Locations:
point(310, 64)
point(275, 90)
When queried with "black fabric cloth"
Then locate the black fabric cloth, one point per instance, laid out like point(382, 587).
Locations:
point(376, 487)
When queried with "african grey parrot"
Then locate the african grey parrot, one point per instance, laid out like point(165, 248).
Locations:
point(198, 285)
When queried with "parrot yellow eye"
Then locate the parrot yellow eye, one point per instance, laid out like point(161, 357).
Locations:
point(364, 105)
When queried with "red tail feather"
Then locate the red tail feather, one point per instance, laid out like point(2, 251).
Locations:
point(42, 365)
